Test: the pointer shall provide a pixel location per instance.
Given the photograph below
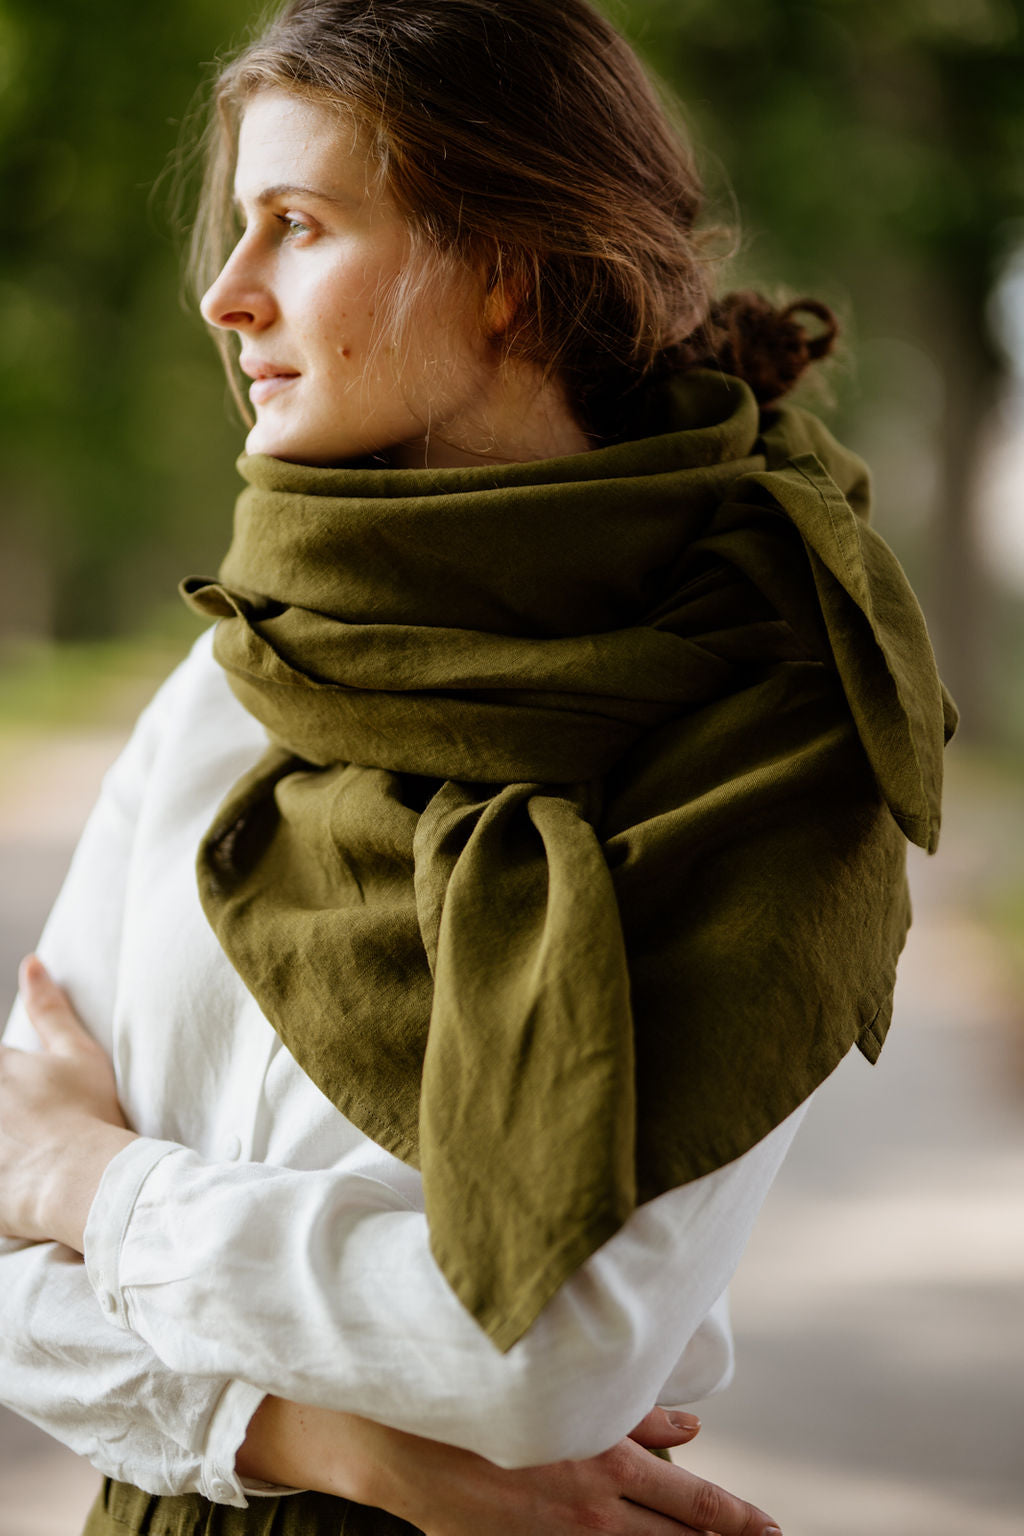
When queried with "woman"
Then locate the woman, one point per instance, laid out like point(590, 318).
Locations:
point(550, 769)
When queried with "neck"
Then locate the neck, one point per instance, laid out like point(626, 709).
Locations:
point(525, 416)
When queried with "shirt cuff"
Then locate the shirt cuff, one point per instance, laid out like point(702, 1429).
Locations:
point(108, 1219)
point(105, 1230)
point(225, 1433)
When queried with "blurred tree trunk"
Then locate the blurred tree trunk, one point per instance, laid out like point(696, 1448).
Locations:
point(962, 600)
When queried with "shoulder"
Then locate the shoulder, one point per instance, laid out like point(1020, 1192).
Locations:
point(192, 725)
point(195, 695)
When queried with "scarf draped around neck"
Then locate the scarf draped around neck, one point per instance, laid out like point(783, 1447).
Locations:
point(576, 860)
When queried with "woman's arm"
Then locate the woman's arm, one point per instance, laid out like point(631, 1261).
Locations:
point(101, 1391)
point(317, 1286)
point(443, 1490)
point(449, 1492)
point(321, 1288)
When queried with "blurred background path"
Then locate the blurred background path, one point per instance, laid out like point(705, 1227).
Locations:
point(879, 1312)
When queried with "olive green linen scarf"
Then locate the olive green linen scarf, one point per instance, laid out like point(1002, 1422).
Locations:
point(577, 859)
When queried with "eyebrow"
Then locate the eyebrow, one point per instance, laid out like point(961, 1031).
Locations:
point(287, 189)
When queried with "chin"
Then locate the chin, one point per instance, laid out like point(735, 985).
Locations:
point(297, 450)
point(277, 445)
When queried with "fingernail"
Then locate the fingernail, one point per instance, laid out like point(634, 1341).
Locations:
point(683, 1420)
point(771, 1530)
point(30, 970)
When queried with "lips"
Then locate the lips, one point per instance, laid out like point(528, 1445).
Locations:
point(266, 388)
point(269, 378)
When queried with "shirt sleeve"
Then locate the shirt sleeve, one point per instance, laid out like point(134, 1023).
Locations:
point(319, 1286)
point(102, 1392)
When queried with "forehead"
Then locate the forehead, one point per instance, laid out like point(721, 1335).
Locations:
point(286, 141)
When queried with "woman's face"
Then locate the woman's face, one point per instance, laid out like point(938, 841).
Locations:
point(321, 244)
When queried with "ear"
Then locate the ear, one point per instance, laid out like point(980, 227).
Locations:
point(499, 311)
point(501, 299)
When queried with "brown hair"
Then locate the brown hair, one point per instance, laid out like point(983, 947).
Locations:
point(525, 135)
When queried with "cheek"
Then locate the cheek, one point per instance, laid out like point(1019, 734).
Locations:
point(342, 327)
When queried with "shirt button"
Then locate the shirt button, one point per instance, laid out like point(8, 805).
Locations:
point(107, 1301)
point(232, 1149)
point(221, 1490)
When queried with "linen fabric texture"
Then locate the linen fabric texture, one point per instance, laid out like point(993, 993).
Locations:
point(578, 857)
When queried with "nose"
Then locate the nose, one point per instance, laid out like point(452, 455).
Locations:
point(238, 299)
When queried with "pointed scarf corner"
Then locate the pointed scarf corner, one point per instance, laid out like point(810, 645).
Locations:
point(878, 638)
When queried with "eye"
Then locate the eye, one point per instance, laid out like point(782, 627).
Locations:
point(294, 225)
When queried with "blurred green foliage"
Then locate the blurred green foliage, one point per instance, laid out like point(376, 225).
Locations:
point(875, 149)
point(117, 448)
point(90, 684)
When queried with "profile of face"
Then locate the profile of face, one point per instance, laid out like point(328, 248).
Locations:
point(322, 243)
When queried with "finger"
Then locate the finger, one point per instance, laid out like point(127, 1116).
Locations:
point(674, 1491)
point(660, 1429)
point(638, 1521)
point(55, 1021)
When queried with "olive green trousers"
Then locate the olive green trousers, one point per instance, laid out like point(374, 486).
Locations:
point(121, 1510)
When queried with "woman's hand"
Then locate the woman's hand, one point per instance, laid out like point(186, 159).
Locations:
point(624, 1492)
point(60, 1121)
point(445, 1491)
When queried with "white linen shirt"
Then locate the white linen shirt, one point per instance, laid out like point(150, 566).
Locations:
point(253, 1241)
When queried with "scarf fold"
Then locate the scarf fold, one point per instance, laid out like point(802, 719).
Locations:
point(577, 858)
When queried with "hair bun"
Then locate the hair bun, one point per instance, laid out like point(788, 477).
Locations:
point(769, 348)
